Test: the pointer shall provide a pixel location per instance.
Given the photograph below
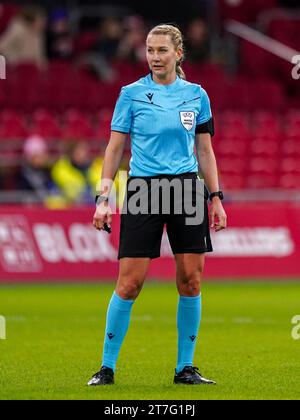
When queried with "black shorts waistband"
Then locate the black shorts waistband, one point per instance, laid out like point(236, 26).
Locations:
point(186, 175)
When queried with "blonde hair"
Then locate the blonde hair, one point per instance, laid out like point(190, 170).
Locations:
point(177, 40)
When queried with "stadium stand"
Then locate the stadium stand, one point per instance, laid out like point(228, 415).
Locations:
point(256, 107)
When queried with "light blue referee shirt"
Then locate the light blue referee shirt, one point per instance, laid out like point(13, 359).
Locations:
point(161, 121)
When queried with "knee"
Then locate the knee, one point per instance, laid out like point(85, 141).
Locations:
point(189, 283)
point(129, 287)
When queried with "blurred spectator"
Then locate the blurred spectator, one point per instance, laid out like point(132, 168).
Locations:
point(23, 41)
point(119, 183)
point(105, 49)
point(290, 3)
point(60, 43)
point(245, 11)
point(72, 175)
point(1, 180)
point(35, 174)
point(7, 11)
point(132, 46)
point(110, 34)
point(77, 175)
point(197, 41)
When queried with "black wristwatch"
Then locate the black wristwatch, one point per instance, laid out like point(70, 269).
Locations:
point(216, 194)
point(99, 199)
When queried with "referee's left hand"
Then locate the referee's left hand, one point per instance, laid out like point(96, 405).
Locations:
point(218, 217)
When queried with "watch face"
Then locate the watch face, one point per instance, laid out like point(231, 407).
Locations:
point(100, 199)
point(217, 194)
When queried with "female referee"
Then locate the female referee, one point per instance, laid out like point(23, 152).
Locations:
point(166, 116)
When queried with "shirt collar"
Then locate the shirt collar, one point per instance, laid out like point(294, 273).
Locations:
point(165, 87)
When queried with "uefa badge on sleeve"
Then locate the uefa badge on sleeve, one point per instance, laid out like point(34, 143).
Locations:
point(187, 119)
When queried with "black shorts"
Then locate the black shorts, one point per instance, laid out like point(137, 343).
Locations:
point(141, 234)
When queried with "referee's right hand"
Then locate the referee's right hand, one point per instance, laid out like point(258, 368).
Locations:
point(103, 214)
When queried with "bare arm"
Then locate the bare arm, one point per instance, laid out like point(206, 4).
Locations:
point(208, 166)
point(207, 161)
point(112, 160)
point(111, 164)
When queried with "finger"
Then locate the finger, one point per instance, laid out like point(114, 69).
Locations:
point(212, 219)
point(98, 225)
point(220, 226)
point(95, 222)
point(109, 219)
point(223, 221)
point(99, 219)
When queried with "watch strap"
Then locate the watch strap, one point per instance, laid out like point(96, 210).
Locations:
point(100, 199)
point(216, 194)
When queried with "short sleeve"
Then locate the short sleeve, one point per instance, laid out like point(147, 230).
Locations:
point(205, 111)
point(122, 117)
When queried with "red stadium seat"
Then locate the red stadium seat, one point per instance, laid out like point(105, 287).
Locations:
point(11, 117)
point(232, 182)
point(3, 97)
point(262, 173)
point(204, 73)
point(60, 71)
point(254, 68)
point(103, 132)
point(261, 181)
point(294, 125)
point(229, 94)
point(61, 86)
point(286, 30)
point(235, 134)
point(292, 133)
point(231, 148)
point(27, 72)
point(106, 114)
point(77, 126)
point(93, 95)
point(231, 165)
point(261, 148)
point(289, 181)
point(84, 42)
point(261, 165)
point(125, 71)
point(290, 147)
point(266, 120)
point(236, 120)
point(267, 134)
point(244, 10)
point(267, 94)
point(74, 116)
point(23, 96)
point(290, 165)
point(103, 124)
point(45, 124)
point(292, 118)
point(12, 125)
point(59, 96)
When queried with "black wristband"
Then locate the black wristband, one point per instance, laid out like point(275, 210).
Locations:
point(100, 198)
point(216, 194)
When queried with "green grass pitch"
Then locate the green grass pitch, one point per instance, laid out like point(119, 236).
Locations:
point(55, 333)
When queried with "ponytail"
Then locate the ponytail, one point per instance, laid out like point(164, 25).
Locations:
point(180, 72)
